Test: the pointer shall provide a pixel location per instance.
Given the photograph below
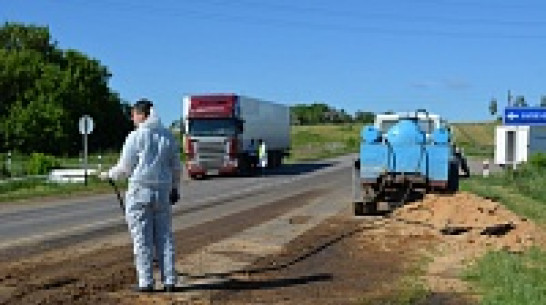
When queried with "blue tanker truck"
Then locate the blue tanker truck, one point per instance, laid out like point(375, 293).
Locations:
point(402, 154)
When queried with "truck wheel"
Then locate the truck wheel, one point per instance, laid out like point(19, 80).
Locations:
point(278, 157)
point(365, 208)
point(453, 177)
point(370, 208)
point(244, 165)
point(358, 208)
point(271, 159)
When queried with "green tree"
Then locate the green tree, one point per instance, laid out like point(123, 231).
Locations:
point(520, 101)
point(493, 106)
point(45, 90)
point(364, 117)
point(543, 101)
point(310, 114)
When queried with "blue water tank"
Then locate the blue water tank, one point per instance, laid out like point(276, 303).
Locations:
point(406, 132)
point(370, 134)
point(441, 135)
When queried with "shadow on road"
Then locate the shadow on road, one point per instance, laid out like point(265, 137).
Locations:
point(294, 169)
point(236, 284)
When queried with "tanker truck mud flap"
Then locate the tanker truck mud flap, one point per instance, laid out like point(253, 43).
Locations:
point(364, 195)
point(358, 204)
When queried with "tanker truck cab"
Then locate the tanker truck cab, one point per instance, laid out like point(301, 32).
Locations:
point(427, 122)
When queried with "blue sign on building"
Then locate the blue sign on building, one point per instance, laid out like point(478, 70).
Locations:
point(524, 116)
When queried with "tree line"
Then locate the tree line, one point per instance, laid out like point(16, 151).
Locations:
point(321, 113)
point(44, 90)
point(317, 114)
point(519, 101)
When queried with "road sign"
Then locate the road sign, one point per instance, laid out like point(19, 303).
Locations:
point(86, 125)
point(525, 116)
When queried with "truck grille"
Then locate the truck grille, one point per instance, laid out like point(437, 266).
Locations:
point(207, 148)
point(211, 154)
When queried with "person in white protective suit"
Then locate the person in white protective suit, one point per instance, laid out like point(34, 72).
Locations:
point(150, 159)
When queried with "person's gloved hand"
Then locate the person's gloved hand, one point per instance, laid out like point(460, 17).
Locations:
point(174, 196)
point(103, 176)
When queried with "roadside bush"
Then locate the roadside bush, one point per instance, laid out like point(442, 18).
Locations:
point(4, 172)
point(41, 164)
point(538, 160)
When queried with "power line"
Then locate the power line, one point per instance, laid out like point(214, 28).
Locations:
point(375, 15)
point(292, 24)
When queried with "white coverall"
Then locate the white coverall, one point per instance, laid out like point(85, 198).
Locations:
point(150, 158)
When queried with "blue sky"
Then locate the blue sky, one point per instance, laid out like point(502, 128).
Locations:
point(448, 56)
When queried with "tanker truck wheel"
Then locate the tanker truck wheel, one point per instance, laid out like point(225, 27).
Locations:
point(365, 208)
point(453, 177)
point(358, 208)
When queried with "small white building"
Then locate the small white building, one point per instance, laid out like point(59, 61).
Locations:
point(514, 144)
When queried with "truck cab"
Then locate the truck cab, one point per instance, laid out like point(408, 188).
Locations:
point(220, 127)
point(427, 122)
point(212, 135)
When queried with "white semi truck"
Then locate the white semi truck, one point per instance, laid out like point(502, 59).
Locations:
point(219, 128)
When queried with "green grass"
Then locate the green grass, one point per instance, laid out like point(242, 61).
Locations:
point(521, 191)
point(477, 139)
point(510, 279)
point(17, 191)
point(323, 141)
point(106, 159)
point(505, 278)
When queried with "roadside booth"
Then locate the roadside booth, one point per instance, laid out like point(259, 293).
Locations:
point(522, 134)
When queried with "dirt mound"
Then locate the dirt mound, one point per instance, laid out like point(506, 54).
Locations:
point(473, 219)
point(466, 226)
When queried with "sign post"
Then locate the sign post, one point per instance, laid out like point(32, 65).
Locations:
point(524, 116)
point(86, 127)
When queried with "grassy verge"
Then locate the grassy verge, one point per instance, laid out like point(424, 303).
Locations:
point(508, 278)
point(17, 191)
point(520, 192)
point(476, 139)
point(324, 141)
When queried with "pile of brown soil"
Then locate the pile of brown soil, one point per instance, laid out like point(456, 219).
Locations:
point(466, 227)
point(473, 219)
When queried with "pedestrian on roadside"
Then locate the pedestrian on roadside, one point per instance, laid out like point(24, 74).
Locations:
point(150, 160)
point(262, 156)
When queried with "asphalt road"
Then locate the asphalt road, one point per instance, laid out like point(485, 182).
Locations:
point(20, 226)
point(476, 166)
point(81, 217)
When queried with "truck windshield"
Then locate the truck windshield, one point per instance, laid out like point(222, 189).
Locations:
point(212, 127)
point(427, 126)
